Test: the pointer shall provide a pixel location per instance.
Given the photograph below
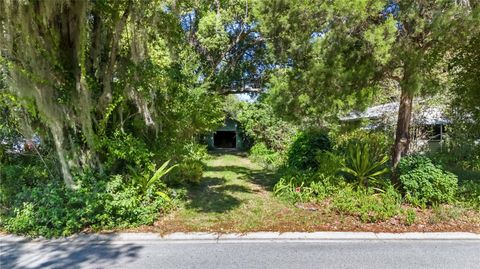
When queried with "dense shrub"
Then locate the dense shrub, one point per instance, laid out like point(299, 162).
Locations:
point(366, 204)
point(425, 183)
point(53, 210)
point(188, 172)
point(379, 143)
point(305, 147)
point(329, 164)
point(190, 168)
point(261, 154)
point(469, 192)
point(14, 177)
point(460, 154)
point(124, 150)
point(263, 125)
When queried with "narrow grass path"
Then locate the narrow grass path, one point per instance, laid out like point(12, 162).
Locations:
point(234, 196)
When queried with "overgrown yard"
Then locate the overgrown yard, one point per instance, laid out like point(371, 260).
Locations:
point(367, 126)
point(235, 195)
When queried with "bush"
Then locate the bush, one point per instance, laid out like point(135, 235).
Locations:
point(14, 176)
point(124, 150)
point(329, 164)
point(189, 172)
point(366, 204)
point(410, 216)
point(425, 183)
point(461, 153)
point(52, 210)
point(261, 154)
point(263, 125)
point(190, 169)
point(379, 143)
point(125, 205)
point(305, 147)
point(469, 192)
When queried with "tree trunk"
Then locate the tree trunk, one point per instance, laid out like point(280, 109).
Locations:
point(402, 136)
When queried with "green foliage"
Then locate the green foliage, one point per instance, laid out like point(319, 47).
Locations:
point(469, 192)
point(466, 76)
point(263, 125)
point(366, 204)
point(130, 83)
point(125, 205)
point(379, 143)
point(459, 153)
point(15, 177)
point(124, 150)
point(261, 154)
point(361, 164)
point(146, 182)
point(211, 32)
point(305, 147)
point(304, 187)
point(329, 164)
point(53, 210)
point(410, 217)
point(425, 183)
point(188, 172)
point(325, 71)
point(190, 168)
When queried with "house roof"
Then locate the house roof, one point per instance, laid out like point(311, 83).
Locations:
point(430, 115)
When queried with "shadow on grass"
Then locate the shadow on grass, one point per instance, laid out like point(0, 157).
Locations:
point(223, 152)
point(213, 196)
point(264, 178)
point(77, 253)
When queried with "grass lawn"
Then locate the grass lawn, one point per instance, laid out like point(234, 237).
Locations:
point(235, 196)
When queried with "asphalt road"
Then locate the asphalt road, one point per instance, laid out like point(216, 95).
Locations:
point(245, 254)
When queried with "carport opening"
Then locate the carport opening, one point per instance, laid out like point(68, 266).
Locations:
point(225, 139)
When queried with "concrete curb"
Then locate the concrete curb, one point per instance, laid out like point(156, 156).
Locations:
point(247, 237)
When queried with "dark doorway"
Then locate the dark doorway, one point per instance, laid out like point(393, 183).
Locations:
point(225, 139)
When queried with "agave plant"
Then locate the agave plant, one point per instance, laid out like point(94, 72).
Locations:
point(364, 167)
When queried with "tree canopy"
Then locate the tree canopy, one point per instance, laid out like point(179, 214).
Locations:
point(85, 72)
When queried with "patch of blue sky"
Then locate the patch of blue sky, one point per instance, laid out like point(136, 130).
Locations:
point(247, 97)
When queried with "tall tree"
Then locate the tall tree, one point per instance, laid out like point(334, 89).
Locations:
point(425, 31)
point(225, 35)
point(93, 69)
point(337, 54)
point(466, 80)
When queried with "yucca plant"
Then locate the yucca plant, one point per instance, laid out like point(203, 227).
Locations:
point(364, 167)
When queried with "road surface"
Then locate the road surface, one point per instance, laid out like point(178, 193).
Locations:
point(241, 254)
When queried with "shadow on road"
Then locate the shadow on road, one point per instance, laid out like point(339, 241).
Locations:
point(78, 253)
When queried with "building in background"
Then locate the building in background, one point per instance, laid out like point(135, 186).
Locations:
point(429, 127)
point(228, 137)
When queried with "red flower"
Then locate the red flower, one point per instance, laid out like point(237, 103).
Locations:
point(297, 189)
